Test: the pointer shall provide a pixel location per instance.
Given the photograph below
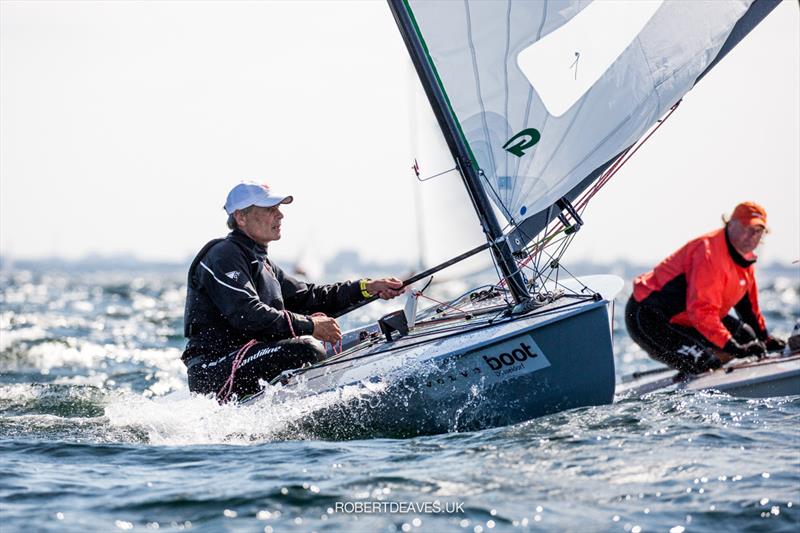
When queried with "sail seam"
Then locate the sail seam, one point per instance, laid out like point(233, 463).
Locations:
point(650, 72)
point(518, 162)
point(505, 87)
point(479, 96)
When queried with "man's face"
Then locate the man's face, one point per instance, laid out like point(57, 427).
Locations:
point(745, 238)
point(262, 224)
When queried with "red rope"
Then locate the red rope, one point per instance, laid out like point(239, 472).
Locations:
point(224, 394)
point(289, 321)
point(226, 390)
point(336, 347)
point(441, 303)
point(609, 173)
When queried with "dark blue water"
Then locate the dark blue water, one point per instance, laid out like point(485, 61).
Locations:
point(98, 433)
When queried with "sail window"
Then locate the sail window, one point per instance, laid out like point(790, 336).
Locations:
point(564, 64)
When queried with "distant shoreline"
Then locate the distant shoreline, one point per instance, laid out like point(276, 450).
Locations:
point(344, 263)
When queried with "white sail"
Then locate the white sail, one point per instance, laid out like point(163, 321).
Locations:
point(546, 91)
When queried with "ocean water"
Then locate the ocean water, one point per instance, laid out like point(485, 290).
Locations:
point(99, 433)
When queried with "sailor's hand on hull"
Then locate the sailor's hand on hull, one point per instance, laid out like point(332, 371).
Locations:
point(386, 288)
point(774, 344)
point(326, 328)
point(738, 350)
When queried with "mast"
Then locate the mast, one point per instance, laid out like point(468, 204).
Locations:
point(458, 148)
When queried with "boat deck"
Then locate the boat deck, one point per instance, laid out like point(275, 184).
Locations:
point(748, 378)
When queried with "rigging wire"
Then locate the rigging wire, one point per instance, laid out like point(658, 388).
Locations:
point(556, 234)
point(536, 249)
point(415, 168)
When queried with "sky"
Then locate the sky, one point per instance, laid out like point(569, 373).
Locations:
point(124, 124)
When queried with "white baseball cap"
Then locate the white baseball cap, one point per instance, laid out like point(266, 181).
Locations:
point(250, 193)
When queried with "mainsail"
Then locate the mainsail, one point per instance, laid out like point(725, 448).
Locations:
point(547, 93)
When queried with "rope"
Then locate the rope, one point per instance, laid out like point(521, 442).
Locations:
point(289, 321)
point(624, 158)
point(226, 390)
point(419, 294)
point(583, 201)
point(336, 347)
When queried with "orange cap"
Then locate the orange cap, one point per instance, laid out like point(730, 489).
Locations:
point(750, 214)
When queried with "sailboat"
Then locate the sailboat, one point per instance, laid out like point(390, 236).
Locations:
point(539, 102)
point(776, 374)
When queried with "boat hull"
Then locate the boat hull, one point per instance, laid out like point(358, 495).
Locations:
point(498, 375)
point(770, 377)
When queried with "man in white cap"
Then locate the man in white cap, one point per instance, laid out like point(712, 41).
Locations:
point(246, 320)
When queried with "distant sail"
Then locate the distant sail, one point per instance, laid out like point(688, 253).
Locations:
point(548, 92)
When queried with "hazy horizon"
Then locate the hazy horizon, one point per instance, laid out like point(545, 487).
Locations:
point(287, 263)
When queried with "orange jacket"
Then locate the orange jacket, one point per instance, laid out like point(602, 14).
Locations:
point(700, 283)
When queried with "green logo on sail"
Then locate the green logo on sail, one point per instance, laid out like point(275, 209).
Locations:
point(522, 141)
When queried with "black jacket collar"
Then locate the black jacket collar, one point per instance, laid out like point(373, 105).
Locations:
point(241, 237)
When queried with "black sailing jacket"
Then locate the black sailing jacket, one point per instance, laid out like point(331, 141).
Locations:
point(235, 293)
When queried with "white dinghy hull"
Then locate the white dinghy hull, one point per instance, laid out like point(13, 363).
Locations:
point(770, 377)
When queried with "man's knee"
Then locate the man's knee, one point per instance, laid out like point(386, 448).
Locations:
point(694, 359)
point(306, 348)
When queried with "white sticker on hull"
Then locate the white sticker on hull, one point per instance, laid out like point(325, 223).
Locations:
point(520, 354)
point(490, 365)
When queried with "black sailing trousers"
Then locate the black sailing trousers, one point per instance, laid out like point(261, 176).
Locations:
point(684, 349)
point(261, 361)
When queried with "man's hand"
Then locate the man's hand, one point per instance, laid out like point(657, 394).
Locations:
point(386, 288)
point(326, 329)
point(745, 350)
point(774, 344)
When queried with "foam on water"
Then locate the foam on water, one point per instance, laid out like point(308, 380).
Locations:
point(186, 419)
